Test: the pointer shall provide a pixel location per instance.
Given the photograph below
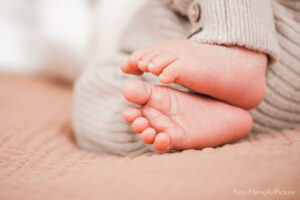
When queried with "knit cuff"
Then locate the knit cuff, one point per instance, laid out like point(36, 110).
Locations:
point(246, 23)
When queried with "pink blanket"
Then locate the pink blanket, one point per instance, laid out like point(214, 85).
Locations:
point(40, 160)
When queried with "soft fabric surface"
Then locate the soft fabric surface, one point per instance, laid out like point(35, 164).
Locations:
point(40, 160)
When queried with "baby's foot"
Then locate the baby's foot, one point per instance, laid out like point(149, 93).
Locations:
point(171, 119)
point(231, 74)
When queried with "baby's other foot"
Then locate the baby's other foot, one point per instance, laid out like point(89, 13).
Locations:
point(232, 74)
point(171, 119)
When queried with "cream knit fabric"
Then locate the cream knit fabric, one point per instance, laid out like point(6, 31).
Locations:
point(281, 106)
point(98, 101)
point(247, 23)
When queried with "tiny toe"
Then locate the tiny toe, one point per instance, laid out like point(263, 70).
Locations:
point(136, 56)
point(169, 74)
point(158, 63)
point(146, 59)
point(130, 114)
point(147, 136)
point(162, 142)
point(126, 68)
point(137, 92)
point(139, 124)
point(166, 78)
point(142, 65)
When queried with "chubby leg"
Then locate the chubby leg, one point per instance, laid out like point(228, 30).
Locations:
point(171, 119)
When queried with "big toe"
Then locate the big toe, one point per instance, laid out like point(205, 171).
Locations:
point(137, 92)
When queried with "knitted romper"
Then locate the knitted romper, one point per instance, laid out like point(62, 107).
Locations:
point(271, 27)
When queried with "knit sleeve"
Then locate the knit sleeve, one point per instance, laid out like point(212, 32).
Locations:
point(180, 6)
point(97, 106)
point(246, 23)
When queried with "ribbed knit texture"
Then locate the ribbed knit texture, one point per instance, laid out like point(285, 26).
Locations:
point(247, 23)
point(98, 104)
point(152, 23)
point(98, 101)
point(281, 106)
point(39, 159)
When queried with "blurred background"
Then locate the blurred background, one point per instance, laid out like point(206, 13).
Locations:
point(51, 36)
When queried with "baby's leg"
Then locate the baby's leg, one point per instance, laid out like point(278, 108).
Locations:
point(232, 74)
point(97, 121)
point(171, 119)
